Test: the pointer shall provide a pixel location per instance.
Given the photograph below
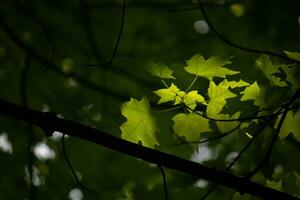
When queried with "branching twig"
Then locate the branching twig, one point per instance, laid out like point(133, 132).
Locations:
point(275, 136)
point(117, 42)
point(214, 186)
point(232, 44)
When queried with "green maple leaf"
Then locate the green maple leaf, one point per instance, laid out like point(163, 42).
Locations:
point(234, 84)
point(192, 98)
point(173, 93)
point(253, 92)
point(140, 124)
point(212, 67)
point(160, 70)
point(293, 55)
point(168, 94)
point(218, 95)
point(290, 125)
point(269, 69)
point(190, 126)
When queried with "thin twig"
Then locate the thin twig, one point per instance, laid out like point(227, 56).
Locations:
point(232, 44)
point(164, 181)
point(117, 42)
point(275, 136)
point(214, 186)
point(78, 182)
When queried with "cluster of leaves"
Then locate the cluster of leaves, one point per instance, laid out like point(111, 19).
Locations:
point(192, 122)
point(209, 111)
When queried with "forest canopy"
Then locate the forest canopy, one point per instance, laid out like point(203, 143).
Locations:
point(148, 99)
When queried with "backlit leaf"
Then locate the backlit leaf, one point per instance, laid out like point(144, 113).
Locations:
point(140, 124)
point(217, 95)
point(192, 98)
point(167, 94)
point(253, 92)
point(212, 67)
point(190, 126)
point(160, 70)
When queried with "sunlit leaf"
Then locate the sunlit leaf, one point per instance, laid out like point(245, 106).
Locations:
point(140, 124)
point(173, 93)
point(253, 92)
point(293, 55)
point(190, 126)
point(160, 70)
point(212, 67)
point(167, 94)
point(217, 95)
point(269, 69)
point(192, 98)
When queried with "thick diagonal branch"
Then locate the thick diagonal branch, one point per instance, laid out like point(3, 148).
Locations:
point(49, 122)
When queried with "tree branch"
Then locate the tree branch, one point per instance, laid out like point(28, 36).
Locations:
point(49, 123)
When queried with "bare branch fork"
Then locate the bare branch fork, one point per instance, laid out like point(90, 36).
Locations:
point(49, 123)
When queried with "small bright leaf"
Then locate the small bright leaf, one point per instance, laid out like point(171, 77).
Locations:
point(160, 70)
point(140, 124)
point(190, 126)
point(192, 98)
point(269, 69)
point(293, 55)
point(291, 124)
point(253, 92)
point(167, 94)
point(173, 93)
point(212, 67)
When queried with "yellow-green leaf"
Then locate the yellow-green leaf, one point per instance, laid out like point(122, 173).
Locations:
point(217, 95)
point(253, 92)
point(190, 126)
point(212, 67)
point(167, 94)
point(192, 98)
point(160, 70)
point(140, 124)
